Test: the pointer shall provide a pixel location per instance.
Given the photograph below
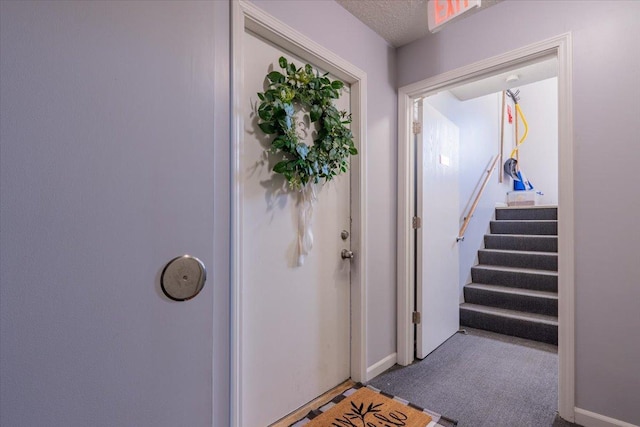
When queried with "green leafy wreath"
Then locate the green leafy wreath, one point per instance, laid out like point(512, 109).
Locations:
point(312, 92)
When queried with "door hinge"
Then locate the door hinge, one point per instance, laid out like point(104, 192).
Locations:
point(417, 128)
point(416, 317)
point(416, 222)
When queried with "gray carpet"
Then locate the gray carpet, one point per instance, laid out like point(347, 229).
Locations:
point(483, 380)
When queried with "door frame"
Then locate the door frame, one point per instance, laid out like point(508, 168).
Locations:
point(561, 48)
point(246, 16)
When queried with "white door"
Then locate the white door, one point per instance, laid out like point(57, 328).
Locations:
point(295, 319)
point(437, 204)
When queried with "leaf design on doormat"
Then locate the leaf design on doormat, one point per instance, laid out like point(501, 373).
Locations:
point(359, 412)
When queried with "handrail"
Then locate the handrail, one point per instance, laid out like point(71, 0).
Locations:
point(473, 207)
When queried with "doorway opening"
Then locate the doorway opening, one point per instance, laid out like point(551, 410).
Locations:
point(505, 253)
point(559, 50)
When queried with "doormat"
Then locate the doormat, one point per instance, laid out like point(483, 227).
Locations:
point(365, 406)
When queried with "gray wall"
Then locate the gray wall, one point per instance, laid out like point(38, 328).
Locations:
point(353, 41)
point(606, 66)
point(108, 170)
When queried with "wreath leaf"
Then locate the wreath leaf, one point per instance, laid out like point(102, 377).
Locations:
point(276, 77)
point(329, 154)
point(267, 127)
point(315, 112)
point(280, 167)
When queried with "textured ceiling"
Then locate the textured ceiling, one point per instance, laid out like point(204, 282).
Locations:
point(398, 21)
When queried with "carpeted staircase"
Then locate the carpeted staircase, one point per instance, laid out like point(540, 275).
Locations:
point(515, 285)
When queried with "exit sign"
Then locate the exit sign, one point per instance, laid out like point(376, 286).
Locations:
point(443, 11)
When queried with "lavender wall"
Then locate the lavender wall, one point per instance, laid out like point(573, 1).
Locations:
point(108, 170)
point(605, 70)
point(356, 43)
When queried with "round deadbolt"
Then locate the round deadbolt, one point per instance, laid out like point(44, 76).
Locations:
point(183, 278)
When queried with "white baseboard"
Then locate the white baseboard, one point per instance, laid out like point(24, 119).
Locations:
point(381, 366)
point(591, 419)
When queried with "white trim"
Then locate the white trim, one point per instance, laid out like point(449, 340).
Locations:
point(591, 419)
point(380, 366)
point(566, 239)
point(246, 16)
point(560, 47)
point(405, 260)
point(237, 65)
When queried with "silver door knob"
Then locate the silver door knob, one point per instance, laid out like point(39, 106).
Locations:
point(346, 254)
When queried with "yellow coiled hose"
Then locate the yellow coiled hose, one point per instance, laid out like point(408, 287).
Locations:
point(524, 135)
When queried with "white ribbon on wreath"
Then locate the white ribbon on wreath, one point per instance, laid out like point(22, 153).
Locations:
point(307, 197)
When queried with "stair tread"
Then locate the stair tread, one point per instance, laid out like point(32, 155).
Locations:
point(541, 236)
point(529, 207)
point(524, 220)
point(503, 312)
point(516, 269)
point(516, 251)
point(527, 213)
point(514, 291)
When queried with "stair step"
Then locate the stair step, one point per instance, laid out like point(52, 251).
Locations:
point(534, 212)
point(521, 242)
point(531, 227)
point(521, 259)
point(523, 278)
point(531, 326)
point(529, 301)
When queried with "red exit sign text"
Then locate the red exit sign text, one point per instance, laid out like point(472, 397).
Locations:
point(443, 11)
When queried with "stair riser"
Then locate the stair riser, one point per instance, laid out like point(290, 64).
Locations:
point(541, 332)
point(521, 243)
point(532, 213)
point(524, 227)
point(514, 279)
point(526, 303)
point(519, 260)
